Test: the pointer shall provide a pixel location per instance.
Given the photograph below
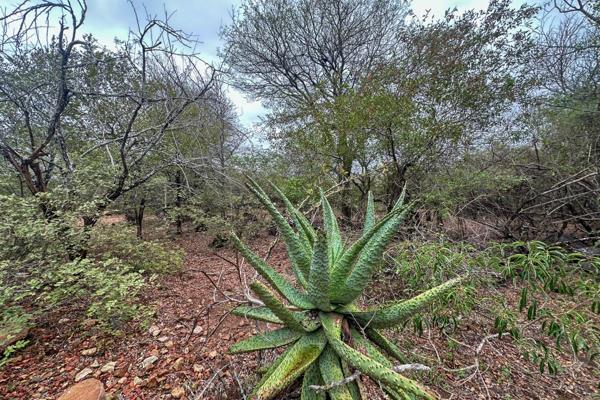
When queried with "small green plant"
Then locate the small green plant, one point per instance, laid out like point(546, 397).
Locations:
point(328, 332)
point(10, 350)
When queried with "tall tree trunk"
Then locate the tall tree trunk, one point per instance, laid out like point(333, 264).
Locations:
point(178, 202)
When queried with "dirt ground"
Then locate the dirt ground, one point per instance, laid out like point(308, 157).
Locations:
point(182, 351)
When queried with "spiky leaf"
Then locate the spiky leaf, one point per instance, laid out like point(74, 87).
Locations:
point(368, 259)
point(332, 327)
point(266, 340)
point(299, 257)
point(386, 345)
point(332, 230)
point(277, 307)
point(343, 267)
point(305, 229)
point(331, 371)
point(258, 313)
point(295, 361)
point(312, 376)
point(279, 283)
point(318, 282)
point(391, 315)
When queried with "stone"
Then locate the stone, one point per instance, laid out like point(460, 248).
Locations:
point(137, 381)
point(89, 389)
point(154, 330)
point(108, 367)
point(89, 352)
point(84, 373)
point(198, 368)
point(169, 344)
point(95, 364)
point(63, 320)
point(178, 392)
point(149, 361)
point(178, 364)
point(122, 380)
point(121, 371)
point(197, 330)
point(163, 339)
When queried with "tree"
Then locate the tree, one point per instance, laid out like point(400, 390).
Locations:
point(301, 55)
point(65, 100)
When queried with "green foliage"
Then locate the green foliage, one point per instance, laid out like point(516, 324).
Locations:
point(333, 276)
point(49, 262)
point(550, 273)
point(143, 256)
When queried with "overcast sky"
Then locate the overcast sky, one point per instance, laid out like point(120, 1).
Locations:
point(107, 19)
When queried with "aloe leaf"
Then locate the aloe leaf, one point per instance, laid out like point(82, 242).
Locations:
point(266, 340)
point(370, 214)
point(295, 361)
point(332, 328)
point(332, 230)
point(303, 225)
point(299, 258)
point(312, 376)
point(257, 313)
point(386, 345)
point(368, 259)
point(331, 371)
point(391, 315)
point(355, 387)
point(368, 348)
point(277, 307)
point(318, 282)
point(279, 283)
point(343, 267)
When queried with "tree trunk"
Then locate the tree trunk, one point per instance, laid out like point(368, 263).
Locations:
point(178, 203)
point(139, 218)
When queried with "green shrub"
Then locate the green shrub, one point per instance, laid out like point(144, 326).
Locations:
point(43, 266)
point(327, 331)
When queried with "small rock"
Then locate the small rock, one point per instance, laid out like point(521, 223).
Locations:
point(178, 392)
point(89, 352)
point(89, 389)
point(149, 361)
point(152, 382)
point(137, 381)
point(95, 364)
point(178, 364)
point(109, 367)
point(122, 380)
point(198, 368)
point(212, 354)
point(197, 330)
point(169, 344)
point(84, 373)
point(63, 320)
point(154, 330)
point(121, 371)
point(163, 339)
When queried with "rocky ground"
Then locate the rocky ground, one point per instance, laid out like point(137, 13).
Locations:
point(182, 352)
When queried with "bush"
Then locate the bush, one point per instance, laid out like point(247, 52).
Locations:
point(49, 261)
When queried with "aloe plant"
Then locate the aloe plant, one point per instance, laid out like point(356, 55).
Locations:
point(328, 334)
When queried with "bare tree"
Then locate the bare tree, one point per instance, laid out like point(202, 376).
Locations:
point(64, 98)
